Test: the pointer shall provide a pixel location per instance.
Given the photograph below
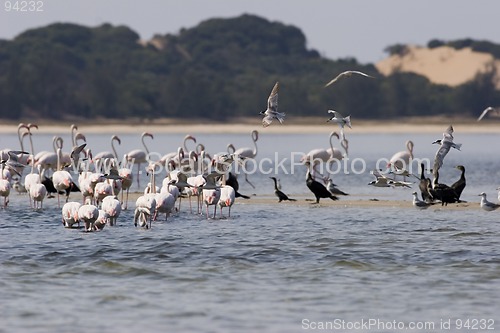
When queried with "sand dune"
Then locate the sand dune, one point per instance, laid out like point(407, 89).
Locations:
point(441, 65)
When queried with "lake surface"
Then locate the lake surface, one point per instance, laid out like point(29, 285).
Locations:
point(270, 267)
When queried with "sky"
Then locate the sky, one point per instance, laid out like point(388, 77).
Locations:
point(359, 29)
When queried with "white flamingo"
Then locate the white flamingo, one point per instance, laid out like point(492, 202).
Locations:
point(61, 179)
point(38, 192)
point(211, 191)
point(113, 207)
point(107, 154)
point(101, 221)
point(70, 214)
point(88, 214)
point(127, 180)
point(138, 156)
point(145, 206)
point(165, 201)
point(402, 160)
point(226, 199)
point(248, 153)
point(102, 190)
point(4, 187)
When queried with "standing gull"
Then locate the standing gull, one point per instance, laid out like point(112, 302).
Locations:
point(419, 203)
point(487, 205)
point(346, 74)
point(271, 112)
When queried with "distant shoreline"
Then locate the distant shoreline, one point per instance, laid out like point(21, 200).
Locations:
point(294, 126)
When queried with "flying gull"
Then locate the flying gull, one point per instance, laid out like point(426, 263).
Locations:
point(346, 74)
point(272, 108)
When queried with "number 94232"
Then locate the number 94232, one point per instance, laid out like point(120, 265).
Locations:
point(23, 6)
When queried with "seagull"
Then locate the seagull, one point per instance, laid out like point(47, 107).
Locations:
point(341, 120)
point(333, 188)
point(346, 74)
point(448, 134)
point(272, 108)
point(444, 148)
point(419, 203)
point(380, 179)
point(495, 111)
point(12, 163)
point(487, 205)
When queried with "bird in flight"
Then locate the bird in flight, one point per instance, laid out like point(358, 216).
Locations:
point(445, 144)
point(347, 74)
point(271, 112)
point(487, 110)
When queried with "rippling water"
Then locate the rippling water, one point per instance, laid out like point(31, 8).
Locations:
point(269, 266)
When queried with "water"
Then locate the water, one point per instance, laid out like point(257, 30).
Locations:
point(270, 267)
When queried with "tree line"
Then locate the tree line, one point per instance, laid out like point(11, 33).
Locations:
point(220, 69)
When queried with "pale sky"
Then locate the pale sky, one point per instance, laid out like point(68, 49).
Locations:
point(336, 28)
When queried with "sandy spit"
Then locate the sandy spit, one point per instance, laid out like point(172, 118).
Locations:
point(295, 126)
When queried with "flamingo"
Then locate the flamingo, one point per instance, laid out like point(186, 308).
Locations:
point(61, 178)
point(336, 154)
point(4, 187)
point(248, 153)
point(49, 160)
point(227, 198)
point(100, 222)
point(112, 206)
point(165, 201)
point(144, 210)
point(23, 158)
point(70, 214)
point(102, 190)
point(138, 156)
point(38, 192)
point(401, 160)
point(127, 180)
point(320, 155)
point(107, 154)
point(211, 192)
point(88, 214)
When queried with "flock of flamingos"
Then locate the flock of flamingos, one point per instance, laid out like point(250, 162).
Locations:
point(104, 180)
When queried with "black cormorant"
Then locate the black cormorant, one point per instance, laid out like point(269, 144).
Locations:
point(319, 190)
point(281, 196)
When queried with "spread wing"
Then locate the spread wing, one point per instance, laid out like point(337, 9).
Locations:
point(346, 74)
point(335, 79)
point(336, 114)
point(272, 101)
point(485, 112)
point(266, 121)
point(449, 131)
point(360, 73)
point(440, 155)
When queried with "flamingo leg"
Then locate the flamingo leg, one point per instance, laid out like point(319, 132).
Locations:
point(138, 171)
point(246, 179)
